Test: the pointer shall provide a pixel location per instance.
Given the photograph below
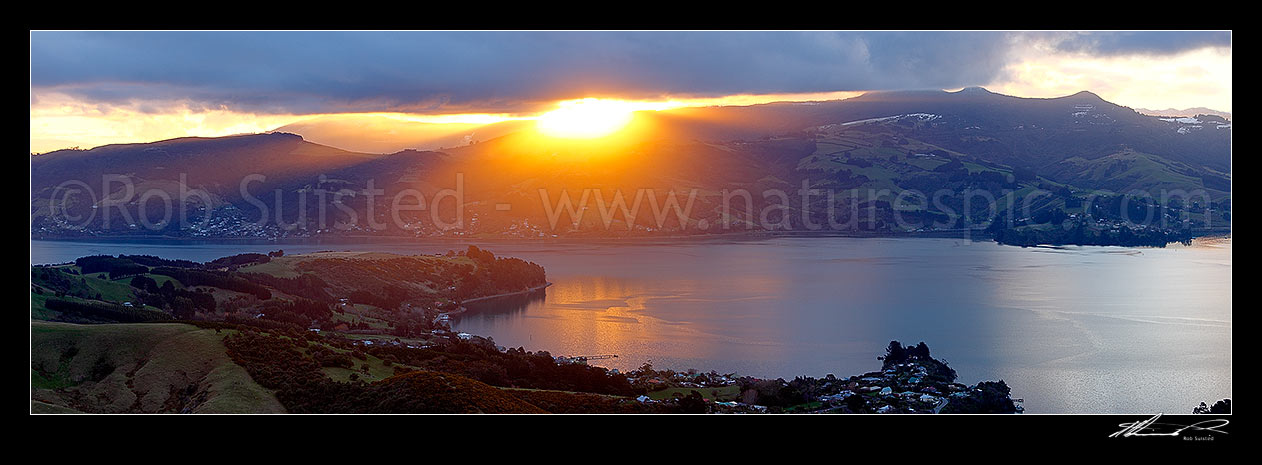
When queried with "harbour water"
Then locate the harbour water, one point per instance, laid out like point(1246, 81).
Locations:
point(1071, 330)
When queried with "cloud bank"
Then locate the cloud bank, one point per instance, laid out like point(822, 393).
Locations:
point(522, 72)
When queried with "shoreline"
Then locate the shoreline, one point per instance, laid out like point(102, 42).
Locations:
point(462, 309)
point(334, 245)
point(362, 238)
point(506, 294)
point(957, 233)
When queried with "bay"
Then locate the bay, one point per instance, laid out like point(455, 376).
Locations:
point(1071, 329)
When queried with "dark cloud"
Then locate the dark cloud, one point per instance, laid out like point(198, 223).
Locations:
point(316, 72)
point(1140, 42)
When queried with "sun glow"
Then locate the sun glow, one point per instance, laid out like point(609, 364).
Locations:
point(590, 118)
point(59, 121)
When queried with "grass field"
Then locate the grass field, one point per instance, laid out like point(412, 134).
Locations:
point(38, 310)
point(133, 368)
point(364, 313)
point(112, 291)
point(84, 285)
point(288, 266)
point(281, 267)
point(377, 370)
point(161, 279)
point(927, 164)
point(344, 272)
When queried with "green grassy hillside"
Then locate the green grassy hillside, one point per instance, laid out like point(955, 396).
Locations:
point(148, 368)
point(1128, 170)
point(347, 271)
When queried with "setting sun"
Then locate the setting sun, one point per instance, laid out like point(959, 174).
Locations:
point(591, 118)
point(586, 118)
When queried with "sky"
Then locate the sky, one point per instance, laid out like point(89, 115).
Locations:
point(91, 88)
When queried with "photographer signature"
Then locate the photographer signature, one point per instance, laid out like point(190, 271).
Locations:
point(1150, 427)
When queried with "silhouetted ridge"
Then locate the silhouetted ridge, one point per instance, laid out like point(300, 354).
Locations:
point(975, 90)
point(1085, 95)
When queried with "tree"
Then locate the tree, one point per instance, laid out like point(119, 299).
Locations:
point(894, 355)
point(167, 289)
point(183, 308)
point(857, 404)
point(694, 402)
point(1200, 409)
point(919, 352)
point(145, 283)
point(1220, 407)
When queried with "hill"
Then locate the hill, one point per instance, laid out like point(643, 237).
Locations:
point(455, 277)
point(1184, 113)
point(187, 177)
point(205, 160)
point(431, 392)
point(371, 294)
point(139, 368)
point(861, 154)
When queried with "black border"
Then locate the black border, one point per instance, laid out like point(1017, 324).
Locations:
point(725, 435)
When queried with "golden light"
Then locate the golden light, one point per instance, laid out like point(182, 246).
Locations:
point(59, 121)
point(590, 118)
point(1197, 78)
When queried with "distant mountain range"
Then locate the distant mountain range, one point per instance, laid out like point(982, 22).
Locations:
point(1188, 112)
point(1049, 154)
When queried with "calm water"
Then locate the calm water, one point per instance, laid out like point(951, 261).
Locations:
point(1075, 330)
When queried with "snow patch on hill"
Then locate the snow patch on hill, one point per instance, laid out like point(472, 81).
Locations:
point(918, 116)
point(1181, 120)
point(1187, 125)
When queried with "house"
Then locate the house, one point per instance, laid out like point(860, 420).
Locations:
point(836, 397)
